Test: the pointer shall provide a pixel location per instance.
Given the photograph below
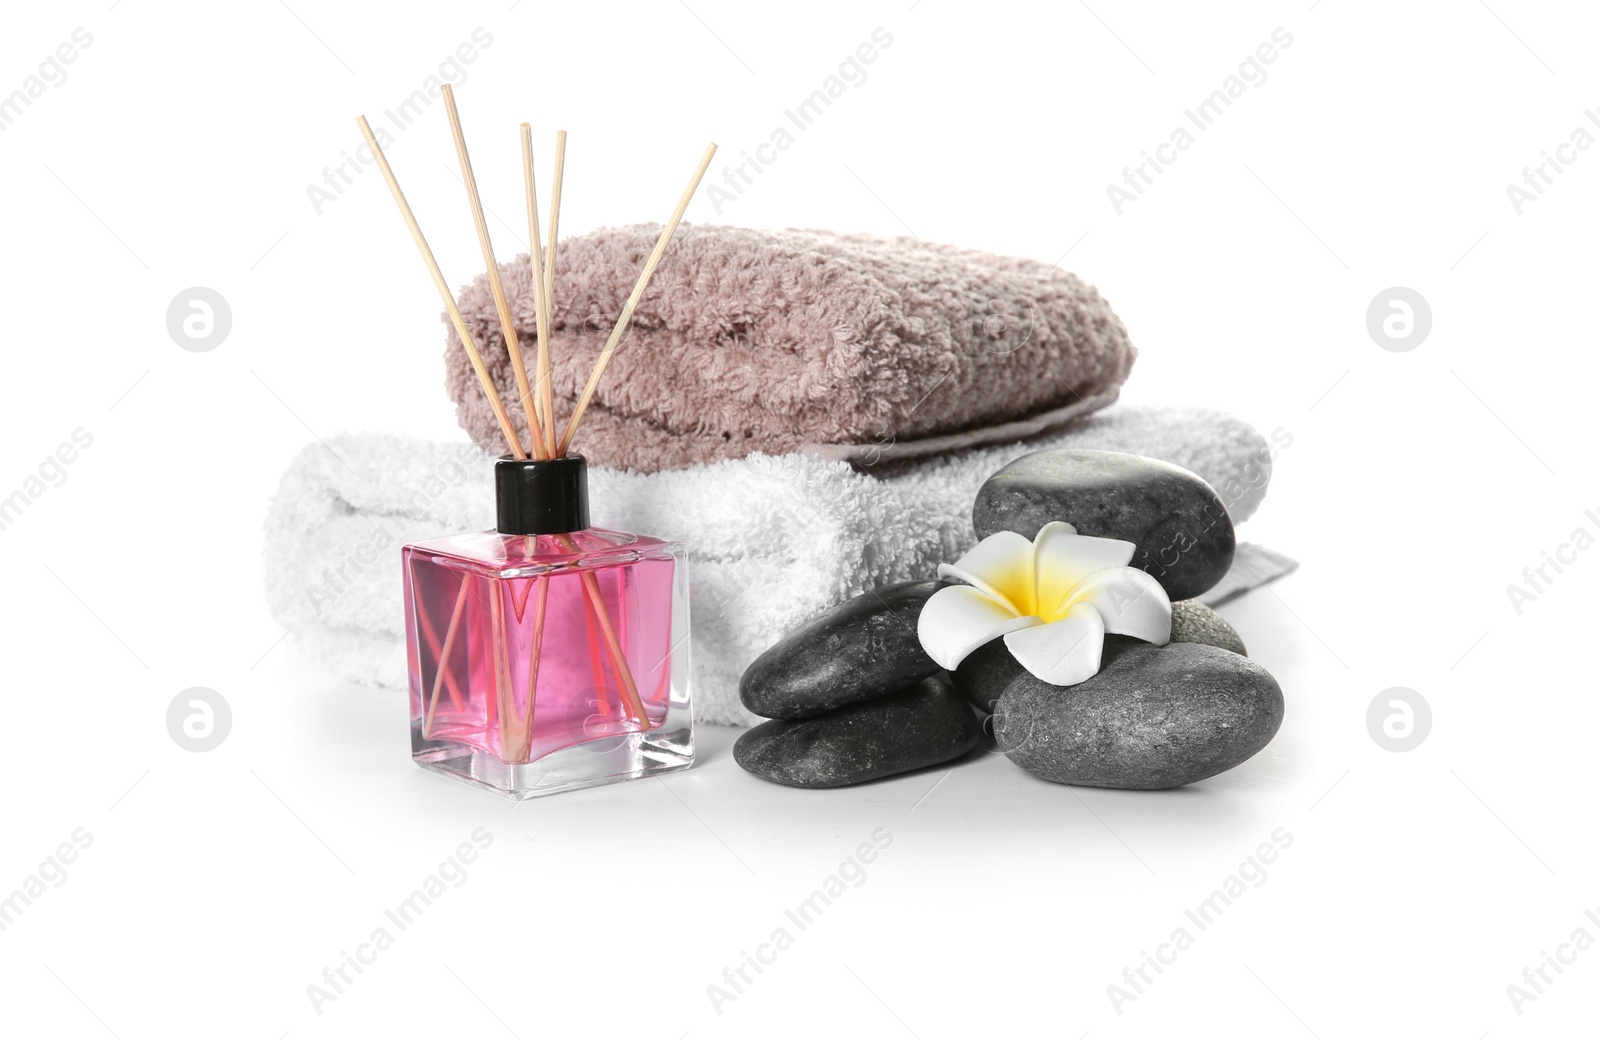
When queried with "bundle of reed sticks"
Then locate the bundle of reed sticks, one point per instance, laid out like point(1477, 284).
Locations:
point(537, 398)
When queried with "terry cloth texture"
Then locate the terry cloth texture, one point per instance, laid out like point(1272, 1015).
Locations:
point(771, 540)
point(754, 341)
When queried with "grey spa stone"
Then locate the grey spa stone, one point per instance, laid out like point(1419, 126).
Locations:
point(1154, 717)
point(923, 725)
point(985, 673)
point(988, 670)
point(863, 648)
point(1180, 527)
point(1194, 622)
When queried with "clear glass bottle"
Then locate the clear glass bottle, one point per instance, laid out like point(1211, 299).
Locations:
point(546, 655)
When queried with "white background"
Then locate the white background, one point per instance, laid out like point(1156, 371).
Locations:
point(1377, 152)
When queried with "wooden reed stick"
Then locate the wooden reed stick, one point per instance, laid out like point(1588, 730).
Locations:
point(550, 273)
point(503, 694)
point(449, 299)
point(508, 328)
point(544, 435)
point(441, 668)
point(632, 705)
point(597, 668)
point(431, 635)
point(541, 305)
point(535, 659)
point(545, 401)
point(633, 301)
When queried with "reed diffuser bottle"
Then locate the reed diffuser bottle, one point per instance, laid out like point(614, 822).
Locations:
point(548, 655)
point(545, 655)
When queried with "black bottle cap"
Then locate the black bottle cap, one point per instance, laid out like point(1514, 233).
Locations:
point(549, 496)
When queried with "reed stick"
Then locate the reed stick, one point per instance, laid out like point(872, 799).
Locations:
point(631, 703)
point(544, 436)
point(467, 342)
point(502, 666)
point(541, 301)
point(597, 668)
point(550, 242)
point(633, 301)
point(440, 669)
point(508, 327)
point(431, 634)
point(535, 660)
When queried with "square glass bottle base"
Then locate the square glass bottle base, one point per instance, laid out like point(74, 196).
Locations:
point(603, 760)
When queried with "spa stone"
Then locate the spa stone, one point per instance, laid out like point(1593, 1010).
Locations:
point(1194, 622)
point(985, 673)
point(863, 648)
point(1181, 530)
point(1154, 717)
point(988, 670)
point(922, 725)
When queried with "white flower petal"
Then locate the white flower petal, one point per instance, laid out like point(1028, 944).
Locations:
point(1062, 558)
point(1002, 566)
point(1130, 603)
point(958, 619)
point(1064, 652)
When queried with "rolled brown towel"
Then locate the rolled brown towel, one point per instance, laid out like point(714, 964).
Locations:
point(849, 346)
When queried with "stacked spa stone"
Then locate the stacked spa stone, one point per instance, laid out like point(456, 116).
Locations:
point(853, 697)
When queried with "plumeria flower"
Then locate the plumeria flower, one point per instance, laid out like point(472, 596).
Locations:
point(1054, 599)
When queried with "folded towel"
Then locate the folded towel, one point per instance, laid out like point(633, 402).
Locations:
point(1253, 566)
point(750, 341)
point(772, 540)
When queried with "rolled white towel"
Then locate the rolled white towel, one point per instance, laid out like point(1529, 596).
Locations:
point(772, 540)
